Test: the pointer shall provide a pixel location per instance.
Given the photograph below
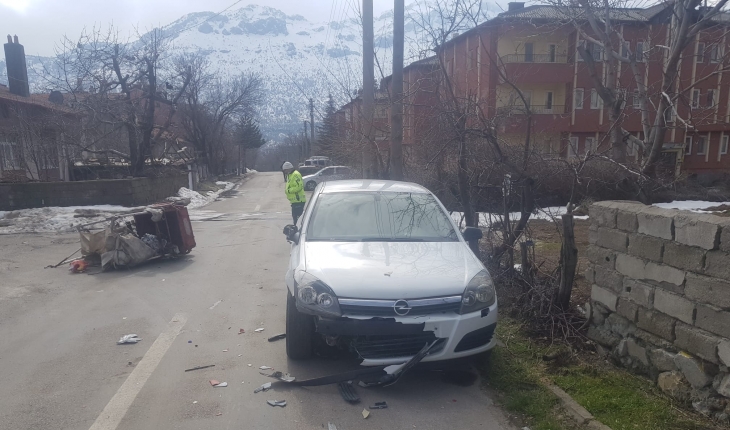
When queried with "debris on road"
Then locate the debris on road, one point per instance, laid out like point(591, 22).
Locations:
point(53, 266)
point(281, 403)
point(348, 393)
point(265, 368)
point(259, 330)
point(331, 426)
point(241, 331)
point(284, 377)
point(277, 337)
point(200, 367)
point(222, 384)
point(365, 413)
point(195, 402)
point(379, 405)
point(213, 382)
point(264, 387)
point(129, 338)
point(78, 266)
point(225, 350)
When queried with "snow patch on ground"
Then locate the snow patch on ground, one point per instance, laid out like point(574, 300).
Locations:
point(690, 205)
point(63, 220)
point(486, 219)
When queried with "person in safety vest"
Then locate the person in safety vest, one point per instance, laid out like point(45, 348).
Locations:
point(294, 191)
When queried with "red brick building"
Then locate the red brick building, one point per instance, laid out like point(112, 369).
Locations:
point(535, 48)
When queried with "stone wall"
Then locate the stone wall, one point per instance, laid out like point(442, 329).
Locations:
point(660, 298)
point(125, 192)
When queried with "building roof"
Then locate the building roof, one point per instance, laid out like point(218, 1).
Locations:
point(40, 100)
point(566, 12)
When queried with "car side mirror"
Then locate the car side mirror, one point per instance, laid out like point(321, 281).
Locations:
point(472, 233)
point(292, 233)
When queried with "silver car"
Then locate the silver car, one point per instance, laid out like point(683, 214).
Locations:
point(331, 173)
point(379, 268)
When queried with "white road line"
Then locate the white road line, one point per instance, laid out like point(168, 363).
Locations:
point(215, 304)
point(256, 209)
point(118, 406)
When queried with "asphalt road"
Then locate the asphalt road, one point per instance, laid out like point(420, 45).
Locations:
point(60, 367)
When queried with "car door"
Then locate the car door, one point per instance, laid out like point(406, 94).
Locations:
point(326, 174)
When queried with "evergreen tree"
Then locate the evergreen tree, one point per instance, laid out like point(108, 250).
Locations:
point(327, 133)
point(249, 136)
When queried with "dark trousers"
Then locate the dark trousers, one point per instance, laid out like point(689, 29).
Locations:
point(297, 209)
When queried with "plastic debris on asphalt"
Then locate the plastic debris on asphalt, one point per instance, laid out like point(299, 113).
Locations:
point(129, 338)
point(379, 405)
point(277, 337)
point(281, 403)
point(264, 387)
point(213, 382)
point(285, 377)
point(365, 413)
point(331, 426)
point(259, 330)
point(222, 384)
point(241, 331)
point(225, 350)
point(265, 368)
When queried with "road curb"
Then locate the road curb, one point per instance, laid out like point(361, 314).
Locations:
point(578, 412)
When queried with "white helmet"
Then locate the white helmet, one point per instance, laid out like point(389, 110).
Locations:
point(287, 166)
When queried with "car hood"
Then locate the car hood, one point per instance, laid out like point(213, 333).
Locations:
point(392, 270)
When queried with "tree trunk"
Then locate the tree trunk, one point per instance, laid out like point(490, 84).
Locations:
point(470, 218)
point(569, 262)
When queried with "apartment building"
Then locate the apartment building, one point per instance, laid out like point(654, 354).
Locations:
point(535, 49)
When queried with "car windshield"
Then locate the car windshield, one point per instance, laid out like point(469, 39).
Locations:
point(380, 217)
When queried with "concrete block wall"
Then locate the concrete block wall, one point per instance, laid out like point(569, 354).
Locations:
point(124, 192)
point(660, 299)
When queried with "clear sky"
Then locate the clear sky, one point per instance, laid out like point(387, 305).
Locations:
point(39, 24)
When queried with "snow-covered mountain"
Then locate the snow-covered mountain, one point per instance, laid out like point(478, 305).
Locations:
point(297, 58)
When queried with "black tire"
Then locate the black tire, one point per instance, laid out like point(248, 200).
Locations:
point(299, 331)
point(310, 186)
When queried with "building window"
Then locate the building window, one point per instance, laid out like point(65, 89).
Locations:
point(549, 100)
point(700, 54)
point(579, 57)
point(578, 98)
point(723, 144)
point(688, 145)
point(636, 100)
point(595, 99)
point(472, 59)
point(625, 49)
point(9, 155)
point(640, 51)
point(591, 145)
point(572, 147)
point(715, 53)
point(597, 52)
point(710, 98)
point(701, 145)
point(630, 148)
point(695, 98)
point(669, 114)
point(529, 49)
point(449, 68)
point(552, 50)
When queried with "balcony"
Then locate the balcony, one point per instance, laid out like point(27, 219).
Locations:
point(537, 68)
point(536, 110)
point(534, 58)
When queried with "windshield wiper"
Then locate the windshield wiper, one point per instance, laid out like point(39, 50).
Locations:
point(391, 239)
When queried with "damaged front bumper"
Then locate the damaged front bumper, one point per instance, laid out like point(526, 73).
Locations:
point(385, 341)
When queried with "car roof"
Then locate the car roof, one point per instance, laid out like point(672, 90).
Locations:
point(355, 185)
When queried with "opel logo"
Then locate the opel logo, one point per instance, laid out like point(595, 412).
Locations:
point(401, 307)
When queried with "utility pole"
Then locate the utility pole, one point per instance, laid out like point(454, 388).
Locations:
point(303, 146)
point(368, 88)
point(396, 105)
point(311, 126)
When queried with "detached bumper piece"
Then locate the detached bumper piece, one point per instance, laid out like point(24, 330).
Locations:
point(476, 339)
point(387, 346)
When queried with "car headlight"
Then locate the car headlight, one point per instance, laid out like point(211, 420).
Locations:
point(479, 294)
point(315, 297)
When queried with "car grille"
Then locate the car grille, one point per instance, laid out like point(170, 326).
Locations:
point(386, 308)
point(380, 347)
point(476, 339)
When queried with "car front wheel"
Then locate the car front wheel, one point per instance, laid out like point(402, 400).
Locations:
point(299, 331)
point(310, 186)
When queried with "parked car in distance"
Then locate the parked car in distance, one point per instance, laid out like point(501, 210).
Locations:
point(318, 160)
point(331, 173)
point(308, 170)
point(379, 268)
